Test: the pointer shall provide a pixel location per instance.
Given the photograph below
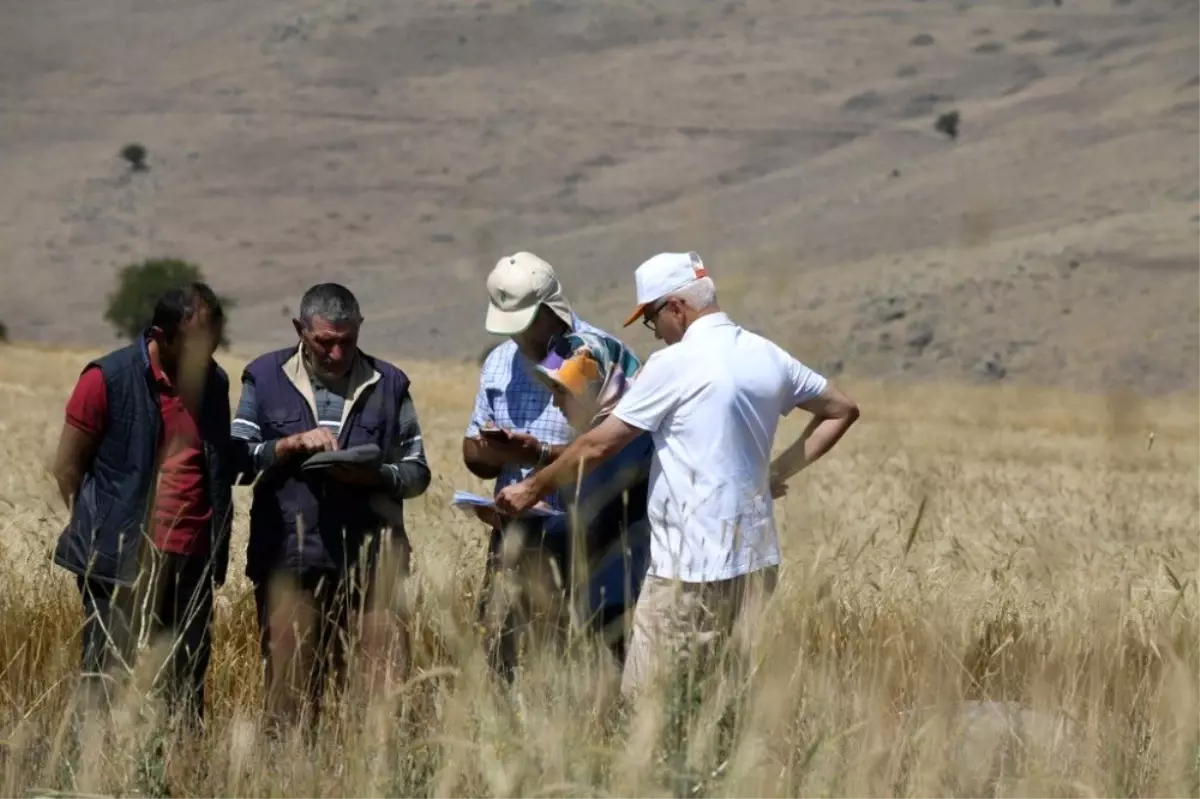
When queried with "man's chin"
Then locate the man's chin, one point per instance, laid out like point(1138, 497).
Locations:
point(535, 354)
point(331, 375)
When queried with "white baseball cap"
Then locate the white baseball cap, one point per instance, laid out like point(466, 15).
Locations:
point(664, 274)
point(517, 286)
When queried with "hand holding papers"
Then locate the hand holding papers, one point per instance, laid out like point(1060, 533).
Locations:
point(470, 503)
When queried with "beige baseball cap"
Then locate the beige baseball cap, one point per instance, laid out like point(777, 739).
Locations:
point(517, 286)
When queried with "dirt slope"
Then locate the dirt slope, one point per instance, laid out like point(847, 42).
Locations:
point(403, 147)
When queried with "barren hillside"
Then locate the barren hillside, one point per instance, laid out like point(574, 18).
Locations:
point(403, 147)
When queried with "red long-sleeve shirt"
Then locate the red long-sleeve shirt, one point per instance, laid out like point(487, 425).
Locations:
point(182, 512)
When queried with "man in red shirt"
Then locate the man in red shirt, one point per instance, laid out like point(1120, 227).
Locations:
point(182, 511)
point(144, 464)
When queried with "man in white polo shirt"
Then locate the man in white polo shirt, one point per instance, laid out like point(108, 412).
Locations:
point(712, 401)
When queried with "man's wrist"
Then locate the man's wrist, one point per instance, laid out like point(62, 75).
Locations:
point(538, 481)
point(785, 474)
point(266, 454)
point(284, 446)
point(535, 454)
point(552, 452)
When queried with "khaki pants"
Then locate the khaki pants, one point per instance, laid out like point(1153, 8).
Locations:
point(675, 620)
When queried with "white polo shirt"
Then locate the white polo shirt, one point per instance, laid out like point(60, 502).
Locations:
point(712, 403)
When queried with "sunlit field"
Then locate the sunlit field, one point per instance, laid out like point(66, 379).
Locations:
point(986, 591)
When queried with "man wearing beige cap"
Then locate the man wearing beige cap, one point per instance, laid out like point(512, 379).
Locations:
point(515, 427)
point(712, 401)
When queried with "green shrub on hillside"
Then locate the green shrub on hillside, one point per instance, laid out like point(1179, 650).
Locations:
point(131, 304)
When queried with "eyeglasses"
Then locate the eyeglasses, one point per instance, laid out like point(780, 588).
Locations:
point(650, 316)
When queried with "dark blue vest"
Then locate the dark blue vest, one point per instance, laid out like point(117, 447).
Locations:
point(303, 521)
point(109, 520)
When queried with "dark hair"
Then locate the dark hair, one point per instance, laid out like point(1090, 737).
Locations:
point(331, 301)
point(180, 304)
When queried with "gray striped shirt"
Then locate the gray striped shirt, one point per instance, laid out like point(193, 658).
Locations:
point(405, 470)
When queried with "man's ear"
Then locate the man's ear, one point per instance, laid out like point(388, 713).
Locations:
point(296, 323)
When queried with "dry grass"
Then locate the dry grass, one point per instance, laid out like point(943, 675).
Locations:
point(1054, 565)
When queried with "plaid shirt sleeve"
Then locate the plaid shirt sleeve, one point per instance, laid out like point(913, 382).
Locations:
point(406, 469)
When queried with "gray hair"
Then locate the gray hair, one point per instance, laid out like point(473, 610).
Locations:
point(331, 301)
point(700, 294)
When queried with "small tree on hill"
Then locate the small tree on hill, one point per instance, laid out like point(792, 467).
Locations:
point(139, 285)
point(135, 156)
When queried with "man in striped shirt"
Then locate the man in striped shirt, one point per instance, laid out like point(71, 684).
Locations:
point(325, 542)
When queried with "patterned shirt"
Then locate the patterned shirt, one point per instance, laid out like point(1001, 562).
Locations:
point(510, 396)
point(405, 470)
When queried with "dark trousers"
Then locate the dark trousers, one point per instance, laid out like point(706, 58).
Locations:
point(527, 598)
point(183, 620)
point(539, 604)
point(307, 618)
point(500, 641)
point(171, 607)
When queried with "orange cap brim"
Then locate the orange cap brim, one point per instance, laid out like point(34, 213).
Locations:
point(636, 315)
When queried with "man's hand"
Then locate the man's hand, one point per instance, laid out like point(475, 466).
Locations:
point(76, 449)
point(511, 445)
point(319, 439)
point(495, 448)
point(517, 498)
point(489, 516)
point(494, 518)
point(779, 488)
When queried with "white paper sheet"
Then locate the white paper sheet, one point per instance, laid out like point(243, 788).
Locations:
point(467, 500)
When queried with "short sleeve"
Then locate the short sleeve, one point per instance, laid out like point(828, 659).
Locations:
point(87, 409)
point(804, 383)
point(482, 414)
point(650, 397)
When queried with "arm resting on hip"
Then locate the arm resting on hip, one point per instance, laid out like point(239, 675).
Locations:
point(833, 414)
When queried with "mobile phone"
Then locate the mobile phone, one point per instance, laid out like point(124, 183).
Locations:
point(493, 432)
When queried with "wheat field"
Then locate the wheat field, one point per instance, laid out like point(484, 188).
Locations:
point(985, 591)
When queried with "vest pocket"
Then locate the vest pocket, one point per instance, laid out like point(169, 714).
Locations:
point(366, 431)
point(280, 422)
point(96, 506)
